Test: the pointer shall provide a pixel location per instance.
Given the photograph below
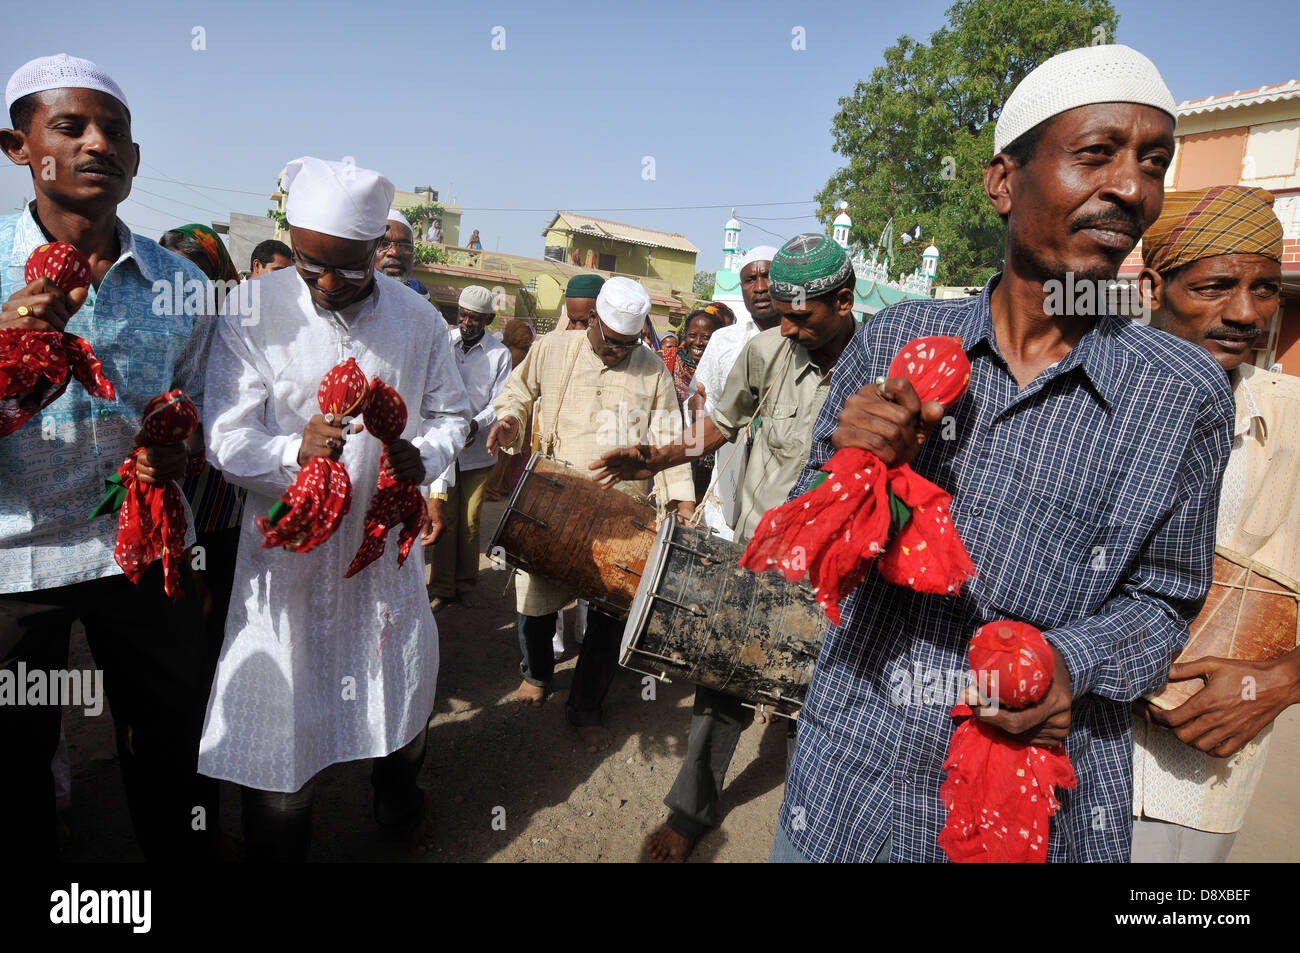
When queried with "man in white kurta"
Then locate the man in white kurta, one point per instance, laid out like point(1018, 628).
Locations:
point(722, 502)
point(317, 669)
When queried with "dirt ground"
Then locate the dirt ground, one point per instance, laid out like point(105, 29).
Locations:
point(512, 784)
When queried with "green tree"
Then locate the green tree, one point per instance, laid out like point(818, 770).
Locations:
point(917, 135)
point(427, 253)
point(703, 286)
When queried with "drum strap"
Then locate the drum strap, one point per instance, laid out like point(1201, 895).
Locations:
point(738, 445)
point(548, 445)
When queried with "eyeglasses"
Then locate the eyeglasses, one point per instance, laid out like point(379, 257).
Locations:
point(402, 245)
point(347, 274)
point(623, 348)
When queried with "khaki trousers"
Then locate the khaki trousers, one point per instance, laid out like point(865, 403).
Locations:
point(453, 559)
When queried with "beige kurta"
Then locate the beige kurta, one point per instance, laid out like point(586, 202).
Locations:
point(1259, 519)
point(598, 410)
point(795, 389)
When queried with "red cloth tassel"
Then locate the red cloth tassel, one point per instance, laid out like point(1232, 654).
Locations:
point(311, 509)
point(36, 366)
point(396, 501)
point(1000, 792)
point(308, 513)
point(151, 524)
point(927, 554)
point(860, 512)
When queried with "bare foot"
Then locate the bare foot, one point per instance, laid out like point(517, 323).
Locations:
point(595, 737)
point(666, 844)
point(529, 693)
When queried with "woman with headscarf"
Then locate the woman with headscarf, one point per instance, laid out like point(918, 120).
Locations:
point(218, 507)
point(205, 248)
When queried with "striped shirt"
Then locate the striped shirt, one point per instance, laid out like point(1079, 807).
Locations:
point(1087, 501)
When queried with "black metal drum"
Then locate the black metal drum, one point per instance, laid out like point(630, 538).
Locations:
point(699, 616)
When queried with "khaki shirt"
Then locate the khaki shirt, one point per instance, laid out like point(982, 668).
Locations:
point(1259, 520)
point(795, 390)
point(600, 409)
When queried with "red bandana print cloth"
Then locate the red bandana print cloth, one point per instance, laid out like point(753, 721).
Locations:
point(36, 366)
point(151, 524)
point(314, 505)
point(396, 501)
point(860, 512)
point(1001, 792)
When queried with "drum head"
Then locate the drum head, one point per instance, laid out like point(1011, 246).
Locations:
point(651, 579)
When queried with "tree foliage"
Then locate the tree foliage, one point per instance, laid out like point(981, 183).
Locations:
point(427, 253)
point(703, 285)
point(422, 213)
point(918, 134)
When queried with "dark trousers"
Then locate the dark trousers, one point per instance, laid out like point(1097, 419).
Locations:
point(277, 826)
point(221, 547)
point(597, 661)
point(153, 655)
point(717, 719)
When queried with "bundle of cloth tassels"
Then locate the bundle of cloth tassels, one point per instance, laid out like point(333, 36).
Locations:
point(313, 507)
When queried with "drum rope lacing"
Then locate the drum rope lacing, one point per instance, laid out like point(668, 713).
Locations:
point(1244, 587)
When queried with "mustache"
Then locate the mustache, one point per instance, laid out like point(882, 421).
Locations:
point(1223, 332)
point(99, 165)
point(1115, 219)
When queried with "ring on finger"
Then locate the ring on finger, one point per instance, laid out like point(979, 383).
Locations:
point(23, 311)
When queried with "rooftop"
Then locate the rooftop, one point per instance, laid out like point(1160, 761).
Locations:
point(620, 231)
point(1242, 97)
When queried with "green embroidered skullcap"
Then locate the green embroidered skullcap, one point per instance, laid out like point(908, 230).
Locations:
point(584, 286)
point(808, 265)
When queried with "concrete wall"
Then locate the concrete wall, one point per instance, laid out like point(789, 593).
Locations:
point(246, 233)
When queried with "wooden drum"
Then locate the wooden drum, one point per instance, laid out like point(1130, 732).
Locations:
point(567, 527)
point(1246, 616)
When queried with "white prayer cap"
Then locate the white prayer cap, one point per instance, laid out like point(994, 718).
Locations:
point(476, 298)
point(761, 253)
point(623, 304)
point(395, 216)
point(59, 72)
point(1091, 74)
point(337, 198)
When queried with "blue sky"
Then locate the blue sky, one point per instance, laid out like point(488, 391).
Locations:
point(561, 118)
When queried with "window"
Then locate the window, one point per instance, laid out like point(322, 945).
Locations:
point(607, 262)
point(554, 253)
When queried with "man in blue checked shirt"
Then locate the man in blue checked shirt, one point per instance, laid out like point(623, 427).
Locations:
point(1084, 463)
point(72, 128)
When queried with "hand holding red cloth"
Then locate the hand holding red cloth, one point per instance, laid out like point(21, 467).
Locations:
point(313, 507)
point(1000, 792)
point(36, 366)
point(396, 501)
point(861, 512)
point(151, 524)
